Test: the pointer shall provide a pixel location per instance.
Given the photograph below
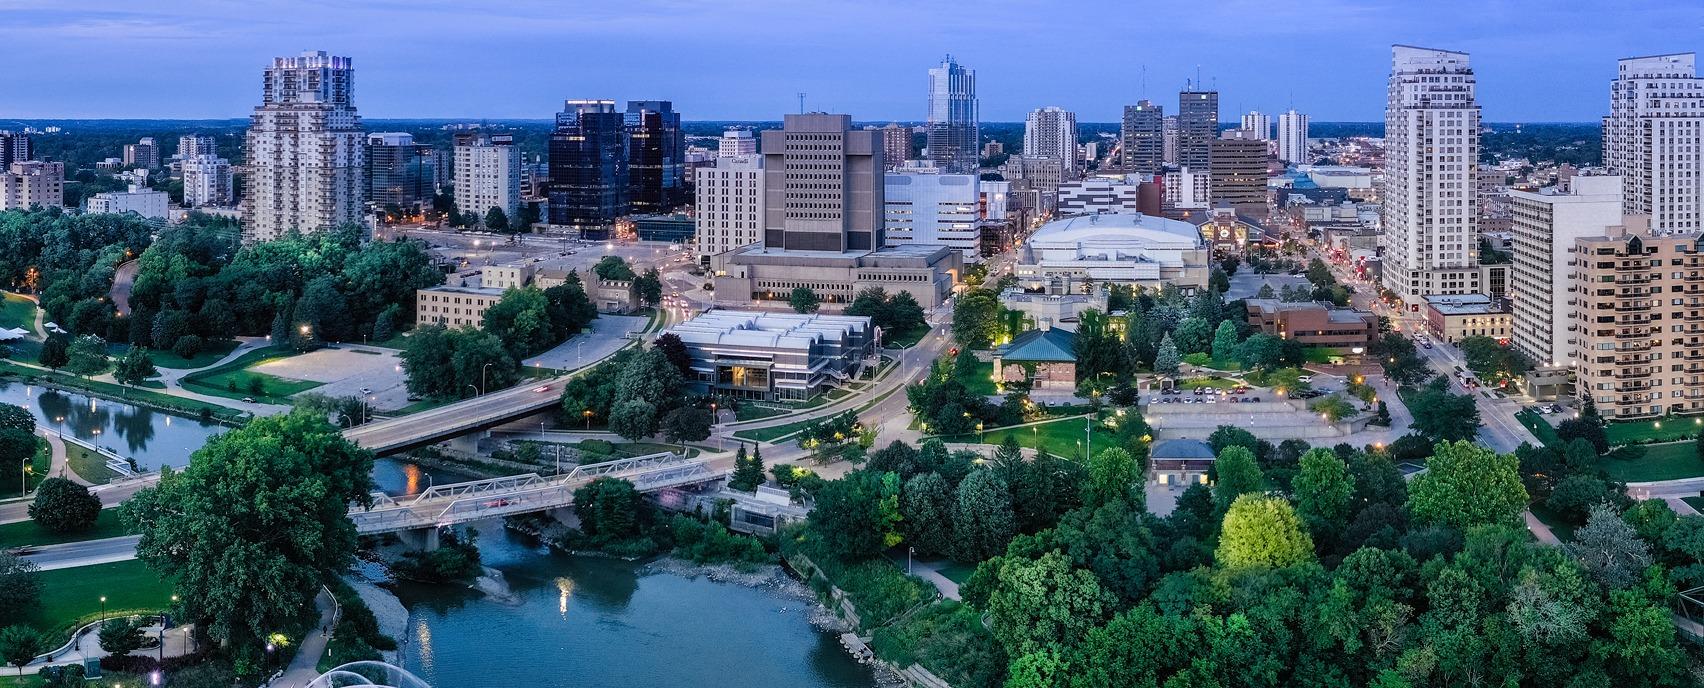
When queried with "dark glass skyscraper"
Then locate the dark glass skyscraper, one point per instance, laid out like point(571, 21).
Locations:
point(401, 174)
point(1143, 136)
point(589, 167)
point(656, 157)
point(1197, 126)
point(953, 138)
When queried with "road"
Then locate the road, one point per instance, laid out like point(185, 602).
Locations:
point(111, 495)
point(122, 280)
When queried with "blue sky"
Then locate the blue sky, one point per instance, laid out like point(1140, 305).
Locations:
point(746, 59)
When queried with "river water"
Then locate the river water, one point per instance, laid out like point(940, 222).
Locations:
point(577, 621)
point(593, 622)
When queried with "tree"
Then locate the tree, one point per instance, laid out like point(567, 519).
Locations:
point(1239, 474)
point(1610, 550)
point(613, 268)
point(496, 219)
point(1466, 485)
point(1574, 497)
point(20, 585)
point(976, 319)
point(675, 351)
point(983, 521)
point(1639, 644)
point(1166, 361)
point(804, 300)
point(1225, 341)
point(14, 417)
point(1319, 275)
point(1218, 281)
point(254, 524)
point(688, 424)
point(1262, 531)
point(1261, 351)
point(856, 516)
point(63, 506)
point(634, 419)
point(1441, 416)
point(748, 470)
point(927, 505)
point(1324, 491)
point(188, 346)
point(521, 320)
point(1113, 474)
point(649, 287)
point(1401, 363)
point(134, 367)
point(55, 352)
point(87, 356)
point(21, 644)
point(1044, 603)
point(121, 636)
point(1584, 428)
point(608, 509)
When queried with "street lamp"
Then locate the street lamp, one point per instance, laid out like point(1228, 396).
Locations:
point(482, 385)
point(588, 414)
point(475, 390)
point(103, 606)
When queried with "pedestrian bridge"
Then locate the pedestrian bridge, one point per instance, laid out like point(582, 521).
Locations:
point(455, 503)
point(368, 673)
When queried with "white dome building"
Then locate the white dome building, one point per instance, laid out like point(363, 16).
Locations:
point(1123, 248)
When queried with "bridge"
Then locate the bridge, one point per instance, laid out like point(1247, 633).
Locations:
point(421, 515)
point(453, 420)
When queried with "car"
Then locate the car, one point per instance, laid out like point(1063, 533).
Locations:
point(1555, 408)
point(1200, 391)
point(1235, 400)
point(249, 399)
point(364, 390)
point(1253, 399)
point(542, 389)
point(1305, 378)
point(1425, 343)
point(1212, 400)
point(495, 503)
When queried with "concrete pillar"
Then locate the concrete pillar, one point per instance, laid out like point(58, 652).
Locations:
point(469, 444)
point(421, 539)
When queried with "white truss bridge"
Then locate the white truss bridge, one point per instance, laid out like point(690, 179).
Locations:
point(455, 503)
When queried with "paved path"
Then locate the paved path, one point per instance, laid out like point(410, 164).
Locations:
point(111, 494)
point(606, 335)
point(88, 646)
point(122, 280)
point(304, 667)
point(1539, 530)
point(930, 571)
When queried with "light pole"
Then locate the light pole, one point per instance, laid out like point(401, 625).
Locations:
point(908, 552)
point(475, 390)
point(482, 385)
point(588, 414)
point(103, 606)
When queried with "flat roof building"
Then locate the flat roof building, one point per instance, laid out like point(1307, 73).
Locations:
point(1546, 225)
point(1454, 317)
point(1127, 248)
point(454, 307)
point(753, 355)
point(1314, 323)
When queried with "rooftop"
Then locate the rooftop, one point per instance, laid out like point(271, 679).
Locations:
point(1464, 304)
point(771, 330)
point(1180, 449)
point(1043, 346)
point(1137, 227)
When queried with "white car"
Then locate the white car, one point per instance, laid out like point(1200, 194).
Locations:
point(1304, 378)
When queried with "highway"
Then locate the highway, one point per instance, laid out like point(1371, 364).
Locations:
point(390, 435)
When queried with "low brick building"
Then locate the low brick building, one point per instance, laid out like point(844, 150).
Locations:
point(1045, 357)
point(1454, 317)
point(1314, 323)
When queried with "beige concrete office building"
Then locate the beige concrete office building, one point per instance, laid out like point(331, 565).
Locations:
point(1546, 226)
point(1637, 320)
point(32, 183)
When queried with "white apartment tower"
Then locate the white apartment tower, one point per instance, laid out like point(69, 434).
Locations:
point(1654, 138)
point(729, 204)
point(736, 143)
point(1293, 137)
point(206, 181)
point(922, 205)
point(1051, 132)
point(305, 149)
point(1431, 190)
point(1546, 227)
point(488, 174)
point(1258, 124)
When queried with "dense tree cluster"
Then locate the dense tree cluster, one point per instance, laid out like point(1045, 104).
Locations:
point(639, 393)
point(69, 261)
point(450, 364)
point(895, 313)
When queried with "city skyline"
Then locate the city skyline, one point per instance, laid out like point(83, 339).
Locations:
point(1535, 67)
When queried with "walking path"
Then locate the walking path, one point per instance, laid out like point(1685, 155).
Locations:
point(87, 645)
point(1539, 530)
point(930, 571)
point(304, 667)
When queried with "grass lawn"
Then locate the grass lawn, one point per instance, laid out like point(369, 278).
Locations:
point(755, 412)
point(1060, 437)
point(1659, 430)
point(983, 381)
point(773, 433)
point(1540, 428)
point(1694, 502)
point(17, 311)
point(21, 533)
point(71, 597)
point(234, 380)
point(209, 355)
point(1314, 354)
point(90, 465)
point(906, 339)
point(1563, 529)
point(40, 464)
point(1670, 461)
point(189, 407)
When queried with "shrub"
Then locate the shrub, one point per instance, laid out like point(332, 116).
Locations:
point(949, 640)
point(712, 543)
point(881, 592)
point(187, 346)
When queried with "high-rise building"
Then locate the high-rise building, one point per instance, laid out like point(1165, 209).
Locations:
point(488, 175)
point(399, 172)
point(1168, 138)
point(736, 143)
point(925, 206)
point(32, 183)
point(656, 163)
point(1634, 322)
point(896, 144)
point(830, 177)
point(1051, 132)
point(191, 145)
point(1098, 195)
point(953, 133)
point(1293, 137)
point(1238, 172)
point(1035, 180)
point(305, 149)
point(588, 167)
point(1258, 125)
point(729, 202)
point(1186, 190)
point(144, 153)
point(206, 181)
point(1546, 227)
point(1197, 127)
point(14, 147)
point(1142, 137)
point(1654, 138)
point(1431, 186)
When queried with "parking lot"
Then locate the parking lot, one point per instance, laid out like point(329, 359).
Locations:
point(348, 371)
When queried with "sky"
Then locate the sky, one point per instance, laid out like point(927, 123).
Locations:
point(1536, 61)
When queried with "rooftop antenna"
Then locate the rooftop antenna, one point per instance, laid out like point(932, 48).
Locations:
point(1144, 81)
point(801, 102)
point(1198, 76)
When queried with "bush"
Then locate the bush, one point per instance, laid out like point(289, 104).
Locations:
point(712, 543)
point(949, 640)
point(62, 506)
point(187, 346)
point(456, 560)
point(881, 592)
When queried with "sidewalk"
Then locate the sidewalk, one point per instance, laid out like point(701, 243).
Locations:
point(304, 667)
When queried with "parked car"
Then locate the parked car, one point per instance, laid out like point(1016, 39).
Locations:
point(1305, 378)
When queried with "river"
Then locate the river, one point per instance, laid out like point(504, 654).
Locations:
point(594, 622)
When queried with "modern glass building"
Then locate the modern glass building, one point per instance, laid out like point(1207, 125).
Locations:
point(656, 164)
point(401, 174)
point(953, 135)
point(589, 174)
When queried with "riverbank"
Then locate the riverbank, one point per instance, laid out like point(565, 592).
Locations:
point(156, 401)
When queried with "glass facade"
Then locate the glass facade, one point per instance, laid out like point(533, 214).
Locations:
point(589, 173)
point(656, 164)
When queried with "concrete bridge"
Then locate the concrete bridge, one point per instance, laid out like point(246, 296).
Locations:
point(454, 420)
point(418, 517)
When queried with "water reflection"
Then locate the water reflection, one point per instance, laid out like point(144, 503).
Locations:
point(150, 437)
